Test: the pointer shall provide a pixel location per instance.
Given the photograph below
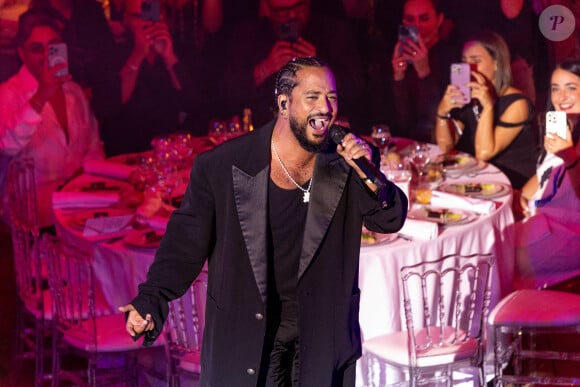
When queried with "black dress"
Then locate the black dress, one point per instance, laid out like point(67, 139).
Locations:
point(518, 160)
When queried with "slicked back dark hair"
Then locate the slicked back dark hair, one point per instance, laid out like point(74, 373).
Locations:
point(286, 77)
point(31, 19)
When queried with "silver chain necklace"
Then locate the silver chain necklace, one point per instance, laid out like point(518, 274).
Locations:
point(306, 197)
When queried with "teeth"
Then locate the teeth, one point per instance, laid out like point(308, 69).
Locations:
point(318, 123)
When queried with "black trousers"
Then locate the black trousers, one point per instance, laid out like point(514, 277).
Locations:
point(284, 364)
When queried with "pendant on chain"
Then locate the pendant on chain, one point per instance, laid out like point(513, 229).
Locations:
point(306, 197)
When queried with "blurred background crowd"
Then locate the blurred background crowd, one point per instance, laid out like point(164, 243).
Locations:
point(228, 52)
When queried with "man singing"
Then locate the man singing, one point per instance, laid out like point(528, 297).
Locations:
point(278, 215)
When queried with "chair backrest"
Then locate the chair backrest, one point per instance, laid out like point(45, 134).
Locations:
point(186, 319)
point(23, 218)
point(446, 301)
point(71, 280)
point(21, 190)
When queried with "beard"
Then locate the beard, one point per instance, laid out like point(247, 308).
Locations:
point(299, 129)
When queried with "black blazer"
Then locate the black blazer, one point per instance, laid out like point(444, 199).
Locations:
point(223, 218)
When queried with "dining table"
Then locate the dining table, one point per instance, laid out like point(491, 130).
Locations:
point(122, 252)
point(117, 215)
point(487, 229)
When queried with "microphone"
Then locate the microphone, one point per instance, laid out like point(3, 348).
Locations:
point(337, 134)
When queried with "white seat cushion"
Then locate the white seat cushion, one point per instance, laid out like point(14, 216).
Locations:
point(537, 308)
point(394, 349)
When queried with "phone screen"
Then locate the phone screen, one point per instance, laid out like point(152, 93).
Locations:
point(408, 32)
point(57, 53)
point(460, 76)
point(556, 123)
point(289, 31)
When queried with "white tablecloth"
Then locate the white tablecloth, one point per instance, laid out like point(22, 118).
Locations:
point(381, 309)
point(120, 268)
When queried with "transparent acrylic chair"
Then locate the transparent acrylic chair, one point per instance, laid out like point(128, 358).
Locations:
point(533, 328)
point(83, 326)
point(445, 308)
point(34, 311)
point(184, 332)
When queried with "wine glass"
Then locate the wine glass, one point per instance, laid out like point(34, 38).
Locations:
point(381, 135)
point(399, 172)
point(420, 157)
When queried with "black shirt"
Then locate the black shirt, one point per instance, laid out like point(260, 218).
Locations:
point(287, 216)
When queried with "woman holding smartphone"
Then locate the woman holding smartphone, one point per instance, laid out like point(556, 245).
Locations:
point(494, 123)
point(548, 239)
point(420, 64)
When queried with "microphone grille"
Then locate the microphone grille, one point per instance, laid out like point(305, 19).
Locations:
point(337, 133)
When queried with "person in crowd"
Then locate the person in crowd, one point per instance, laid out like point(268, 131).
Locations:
point(44, 115)
point(155, 87)
point(91, 49)
point(277, 216)
point(420, 70)
point(495, 123)
point(260, 47)
point(548, 239)
point(517, 23)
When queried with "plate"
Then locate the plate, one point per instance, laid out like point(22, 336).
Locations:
point(79, 219)
point(100, 185)
point(443, 216)
point(455, 162)
point(369, 238)
point(144, 239)
point(476, 190)
point(130, 158)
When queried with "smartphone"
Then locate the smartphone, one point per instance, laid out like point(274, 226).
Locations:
point(57, 53)
point(556, 123)
point(289, 31)
point(151, 10)
point(460, 76)
point(408, 32)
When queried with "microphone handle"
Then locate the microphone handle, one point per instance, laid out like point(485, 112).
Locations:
point(370, 171)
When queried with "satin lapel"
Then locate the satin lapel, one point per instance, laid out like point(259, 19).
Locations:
point(329, 180)
point(251, 193)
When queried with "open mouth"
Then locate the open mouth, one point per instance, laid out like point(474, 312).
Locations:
point(319, 124)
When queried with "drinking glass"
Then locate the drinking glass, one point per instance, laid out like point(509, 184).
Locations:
point(381, 135)
point(400, 173)
point(420, 157)
point(217, 131)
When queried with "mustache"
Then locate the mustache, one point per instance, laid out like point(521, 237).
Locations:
point(316, 116)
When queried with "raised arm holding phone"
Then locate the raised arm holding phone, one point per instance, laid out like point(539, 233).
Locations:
point(494, 121)
point(420, 69)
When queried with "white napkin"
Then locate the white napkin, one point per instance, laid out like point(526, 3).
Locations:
point(72, 199)
point(108, 168)
point(420, 229)
point(158, 222)
point(447, 200)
